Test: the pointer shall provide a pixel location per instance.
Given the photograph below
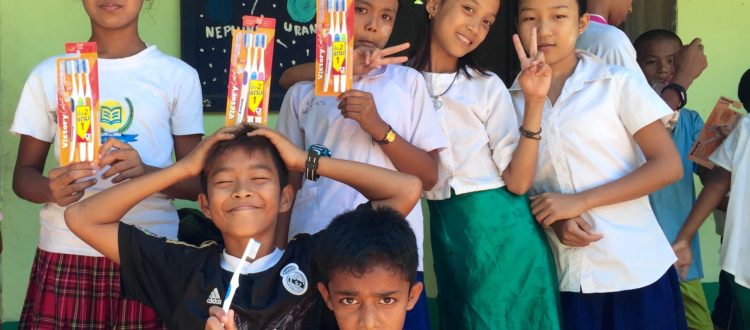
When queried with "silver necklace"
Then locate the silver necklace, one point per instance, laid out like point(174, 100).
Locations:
point(437, 101)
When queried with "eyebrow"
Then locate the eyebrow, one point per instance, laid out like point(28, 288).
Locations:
point(354, 293)
point(252, 167)
point(555, 7)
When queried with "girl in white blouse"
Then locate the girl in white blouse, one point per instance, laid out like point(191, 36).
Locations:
point(591, 182)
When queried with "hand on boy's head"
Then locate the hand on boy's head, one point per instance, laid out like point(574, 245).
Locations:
point(536, 74)
point(65, 189)
point(122, 159)
point(220, 321)
point(367, 59)
point(293, 157)
point(684, 257)
point(575, 232)
point(550, 207)
point(360, 107)
point(690, 62)
point(194, 161)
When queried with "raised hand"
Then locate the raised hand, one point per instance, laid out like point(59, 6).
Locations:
point(689, 63)
point(360, 107)
point(64, 186)
point(124, 161)
point(536, 75)
point(367, 59)
point(195, 160)
point(293, 157)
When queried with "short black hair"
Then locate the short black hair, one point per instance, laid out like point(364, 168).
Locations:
point(654, 35)
point(582, 7)
point(250, 144)
point(358, 240)
point(743, 90)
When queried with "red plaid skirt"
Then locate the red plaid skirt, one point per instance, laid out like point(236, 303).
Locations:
point(69, 291)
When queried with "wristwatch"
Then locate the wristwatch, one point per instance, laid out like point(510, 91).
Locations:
point(681, 93)
point(389, 137)
point(314, 152)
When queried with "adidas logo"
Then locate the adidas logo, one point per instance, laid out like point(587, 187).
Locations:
point(214, 298)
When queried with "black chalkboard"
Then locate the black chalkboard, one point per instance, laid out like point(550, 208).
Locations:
point(206, 40)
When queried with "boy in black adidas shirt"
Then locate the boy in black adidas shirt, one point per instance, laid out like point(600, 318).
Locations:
point(245, 182)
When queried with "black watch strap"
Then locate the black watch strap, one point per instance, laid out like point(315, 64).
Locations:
point(680, 91)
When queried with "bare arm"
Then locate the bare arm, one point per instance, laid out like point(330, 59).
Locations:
point(535, 80)
point(360, 107)
point(385, 188)
point(96, 219)
point(662, 167)
point(689, 63)
point(714, 191)
point(297, 73)
point(60, 187)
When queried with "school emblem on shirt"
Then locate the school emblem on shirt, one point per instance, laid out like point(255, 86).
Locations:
point(115, 120)
point(294, 279)
point(214, 298)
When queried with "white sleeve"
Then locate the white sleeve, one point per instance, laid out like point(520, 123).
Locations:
point(288, 123)
point(638, 105)
point(724, 155)
point(426, 133)
point(187, 113)
point(36, 114)
point(623, 54)
point(501, 123)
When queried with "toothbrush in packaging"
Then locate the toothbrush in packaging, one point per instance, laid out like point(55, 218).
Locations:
point(251, 251)
point(79, 136)
point(334, 46)
point(249, 85)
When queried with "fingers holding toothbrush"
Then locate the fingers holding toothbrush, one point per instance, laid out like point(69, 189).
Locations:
point(66, 183)
point(218, 320)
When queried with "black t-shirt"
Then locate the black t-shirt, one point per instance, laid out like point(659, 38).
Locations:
point(182, 281)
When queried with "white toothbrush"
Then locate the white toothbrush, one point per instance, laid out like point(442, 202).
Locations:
point(345, 40)
point(251, 250)
point(245, 78)
point(329, 46)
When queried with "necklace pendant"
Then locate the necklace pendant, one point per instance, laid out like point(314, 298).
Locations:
point(437, 103)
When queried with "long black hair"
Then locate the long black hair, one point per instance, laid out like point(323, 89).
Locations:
point(420, 58)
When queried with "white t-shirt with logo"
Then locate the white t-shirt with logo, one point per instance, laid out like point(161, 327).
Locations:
point(145, 100)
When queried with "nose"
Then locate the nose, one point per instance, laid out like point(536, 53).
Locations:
point(371, 25)
point(241, 190)
point(368, 317)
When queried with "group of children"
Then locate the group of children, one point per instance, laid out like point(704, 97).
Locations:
point(332, 197)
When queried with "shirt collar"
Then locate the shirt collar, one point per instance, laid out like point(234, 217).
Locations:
point(598, 18)
point(229, 262)
point(589, 69)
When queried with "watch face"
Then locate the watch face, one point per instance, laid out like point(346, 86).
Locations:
point(390, 137)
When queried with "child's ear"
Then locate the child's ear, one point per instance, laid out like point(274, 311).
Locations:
point(583, 23)
point(203, 203)
point(323, 289)
point(414, 292)
point(432, 7)
point(287, 197)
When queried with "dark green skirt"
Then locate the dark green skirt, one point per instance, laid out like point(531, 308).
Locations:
point(493, 266)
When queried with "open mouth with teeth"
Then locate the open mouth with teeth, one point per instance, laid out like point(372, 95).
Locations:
point(466, 41)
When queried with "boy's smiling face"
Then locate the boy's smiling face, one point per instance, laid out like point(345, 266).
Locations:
point(244, 196)
point(377, 299)
point(373, 22)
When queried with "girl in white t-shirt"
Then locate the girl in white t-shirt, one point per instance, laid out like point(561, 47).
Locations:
point(493, 267)
point(603, 150)
point(157, 99)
